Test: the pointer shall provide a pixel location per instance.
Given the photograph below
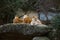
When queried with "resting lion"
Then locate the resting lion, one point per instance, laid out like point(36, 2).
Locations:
point(26, 19)
point(17, 20)
point(35, 21)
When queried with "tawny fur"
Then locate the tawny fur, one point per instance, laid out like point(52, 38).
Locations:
point(35, 21)
point(27, 19)
point(17, 20)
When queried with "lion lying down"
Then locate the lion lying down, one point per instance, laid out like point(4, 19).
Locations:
point(35, 21)
point(17, 20)
point(26, 19)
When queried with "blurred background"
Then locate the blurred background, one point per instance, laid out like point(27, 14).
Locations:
point(44, 9)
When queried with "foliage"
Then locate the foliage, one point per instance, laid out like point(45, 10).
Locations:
point(9, 7)
point(56, 21)
point(28, 6)
point(55, 34)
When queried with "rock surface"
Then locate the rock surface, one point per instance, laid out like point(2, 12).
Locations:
point(41, 38)
point(22, 31)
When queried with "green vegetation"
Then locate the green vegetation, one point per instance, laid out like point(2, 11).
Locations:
point(8, 8)
point(55, 34)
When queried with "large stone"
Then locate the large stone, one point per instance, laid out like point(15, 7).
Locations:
point(24, 28)
point(40, 38)
point(22, 31)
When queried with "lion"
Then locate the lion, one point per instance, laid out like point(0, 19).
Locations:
point(26, 19)
point(35, 21)
point(17, 20)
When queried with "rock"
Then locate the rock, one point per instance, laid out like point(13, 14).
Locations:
point(40, 38)
point(22, 31)
point(24, 28)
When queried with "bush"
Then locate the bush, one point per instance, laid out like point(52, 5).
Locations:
point(55, 22)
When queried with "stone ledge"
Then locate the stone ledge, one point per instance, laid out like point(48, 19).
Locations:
point(26, 29)
point(22, 31)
